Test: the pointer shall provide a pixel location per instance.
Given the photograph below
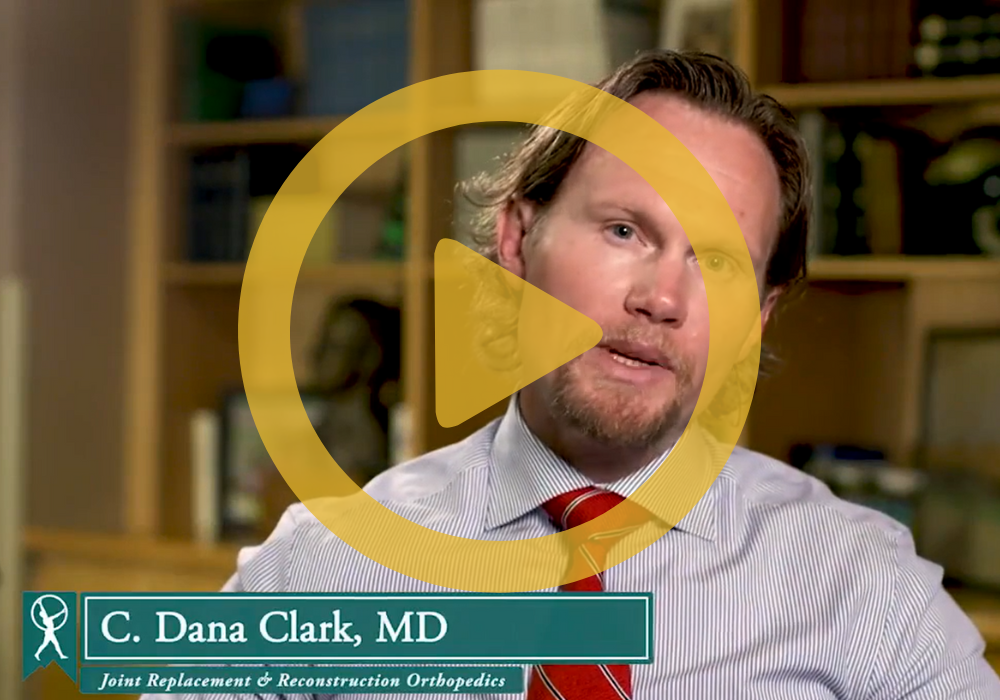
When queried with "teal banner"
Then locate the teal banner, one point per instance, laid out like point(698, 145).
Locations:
point(49, 633)
point(370, 628)
point(294, 680)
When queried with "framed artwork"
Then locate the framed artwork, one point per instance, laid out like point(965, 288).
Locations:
point(699, 25)
point(247, 470)
point(959, 521)
point(961, 398)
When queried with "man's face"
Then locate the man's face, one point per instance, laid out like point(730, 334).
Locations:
point(610, 247)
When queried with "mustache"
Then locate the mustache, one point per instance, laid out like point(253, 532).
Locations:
point(646, 336)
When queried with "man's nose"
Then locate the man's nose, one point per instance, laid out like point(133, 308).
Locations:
point(660, 292)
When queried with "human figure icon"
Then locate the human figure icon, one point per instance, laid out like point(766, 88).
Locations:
point(49, 624)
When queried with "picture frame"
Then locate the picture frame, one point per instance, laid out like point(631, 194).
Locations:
point(961, 392)
point(247, 473)
point(959, 453)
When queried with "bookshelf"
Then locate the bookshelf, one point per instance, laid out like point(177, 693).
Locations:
point(377, 275)
point(181, 330)
point(902, 268)
point(851, 343)
point(263, 131)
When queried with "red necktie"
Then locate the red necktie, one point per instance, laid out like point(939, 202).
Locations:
point(593, 682)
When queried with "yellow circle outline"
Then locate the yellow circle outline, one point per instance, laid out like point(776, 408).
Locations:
point(280, 247)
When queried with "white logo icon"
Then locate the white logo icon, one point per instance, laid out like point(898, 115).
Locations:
point(49, 624)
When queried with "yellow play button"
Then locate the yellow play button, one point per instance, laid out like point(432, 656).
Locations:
point(494, 333)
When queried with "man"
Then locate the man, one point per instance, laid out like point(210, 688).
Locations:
point(770, 587)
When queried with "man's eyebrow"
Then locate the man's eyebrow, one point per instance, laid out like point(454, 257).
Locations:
point(604, 207)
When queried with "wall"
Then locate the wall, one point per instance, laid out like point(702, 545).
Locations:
point(75, 126)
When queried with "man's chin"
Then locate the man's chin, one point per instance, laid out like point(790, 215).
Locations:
point(615, 419)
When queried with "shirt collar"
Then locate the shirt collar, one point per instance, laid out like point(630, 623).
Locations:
point(525, 473)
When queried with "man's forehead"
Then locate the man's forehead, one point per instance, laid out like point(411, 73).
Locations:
point(604, 181)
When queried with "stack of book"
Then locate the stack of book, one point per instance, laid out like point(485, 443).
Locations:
point(357, 51)
point(231, 191)
point(848, 39)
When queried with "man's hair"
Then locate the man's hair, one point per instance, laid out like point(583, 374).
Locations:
point(535, 169)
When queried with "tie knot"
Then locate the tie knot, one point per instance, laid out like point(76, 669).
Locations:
point(573, 508)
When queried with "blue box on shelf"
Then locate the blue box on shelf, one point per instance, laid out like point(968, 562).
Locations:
point(357, 51)
point(267, 98)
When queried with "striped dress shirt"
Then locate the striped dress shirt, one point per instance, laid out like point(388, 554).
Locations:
point(771, 586)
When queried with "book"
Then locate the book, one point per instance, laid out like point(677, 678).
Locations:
point(205, 462)
point(218, 207)
point(357, 51)
point(323, 247)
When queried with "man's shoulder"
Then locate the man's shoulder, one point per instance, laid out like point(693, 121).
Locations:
point(437, 490)
point(799, 511)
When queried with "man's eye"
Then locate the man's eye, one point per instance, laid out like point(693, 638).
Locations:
point(717, 262)
point(622, 231)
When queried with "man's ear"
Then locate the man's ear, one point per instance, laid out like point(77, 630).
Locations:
point(766, 308)
point(513, 226)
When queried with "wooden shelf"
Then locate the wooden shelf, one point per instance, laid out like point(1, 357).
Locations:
point(238, 133)
point(862, 268)
point(371, 274)
point(902, 268)
point(884, 93)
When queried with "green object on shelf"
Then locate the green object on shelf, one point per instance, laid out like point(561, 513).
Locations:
point(205, 94)
point(964, 162)
point(212, 89)
point(393, 242)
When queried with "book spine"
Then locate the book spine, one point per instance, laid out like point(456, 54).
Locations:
point(205, 475)
point(218, 210)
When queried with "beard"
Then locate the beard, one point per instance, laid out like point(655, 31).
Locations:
point(616, 414)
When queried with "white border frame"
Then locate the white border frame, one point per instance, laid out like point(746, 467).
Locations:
point(86, 658)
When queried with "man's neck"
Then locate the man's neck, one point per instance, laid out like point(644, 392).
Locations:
point(596, 460)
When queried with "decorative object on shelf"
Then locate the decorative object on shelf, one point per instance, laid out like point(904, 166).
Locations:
point(357, 51)
point(401, 447)
point(356, 368)
point(268, 98)
point(959, 209)
point(832, 40)
point(960, 450)
point(842, 204)
point(857, 187)
point(957, 38)
point(249, 480)
point(863, 476)
point(699, 25)
point(230, 72)
point(392, 245)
